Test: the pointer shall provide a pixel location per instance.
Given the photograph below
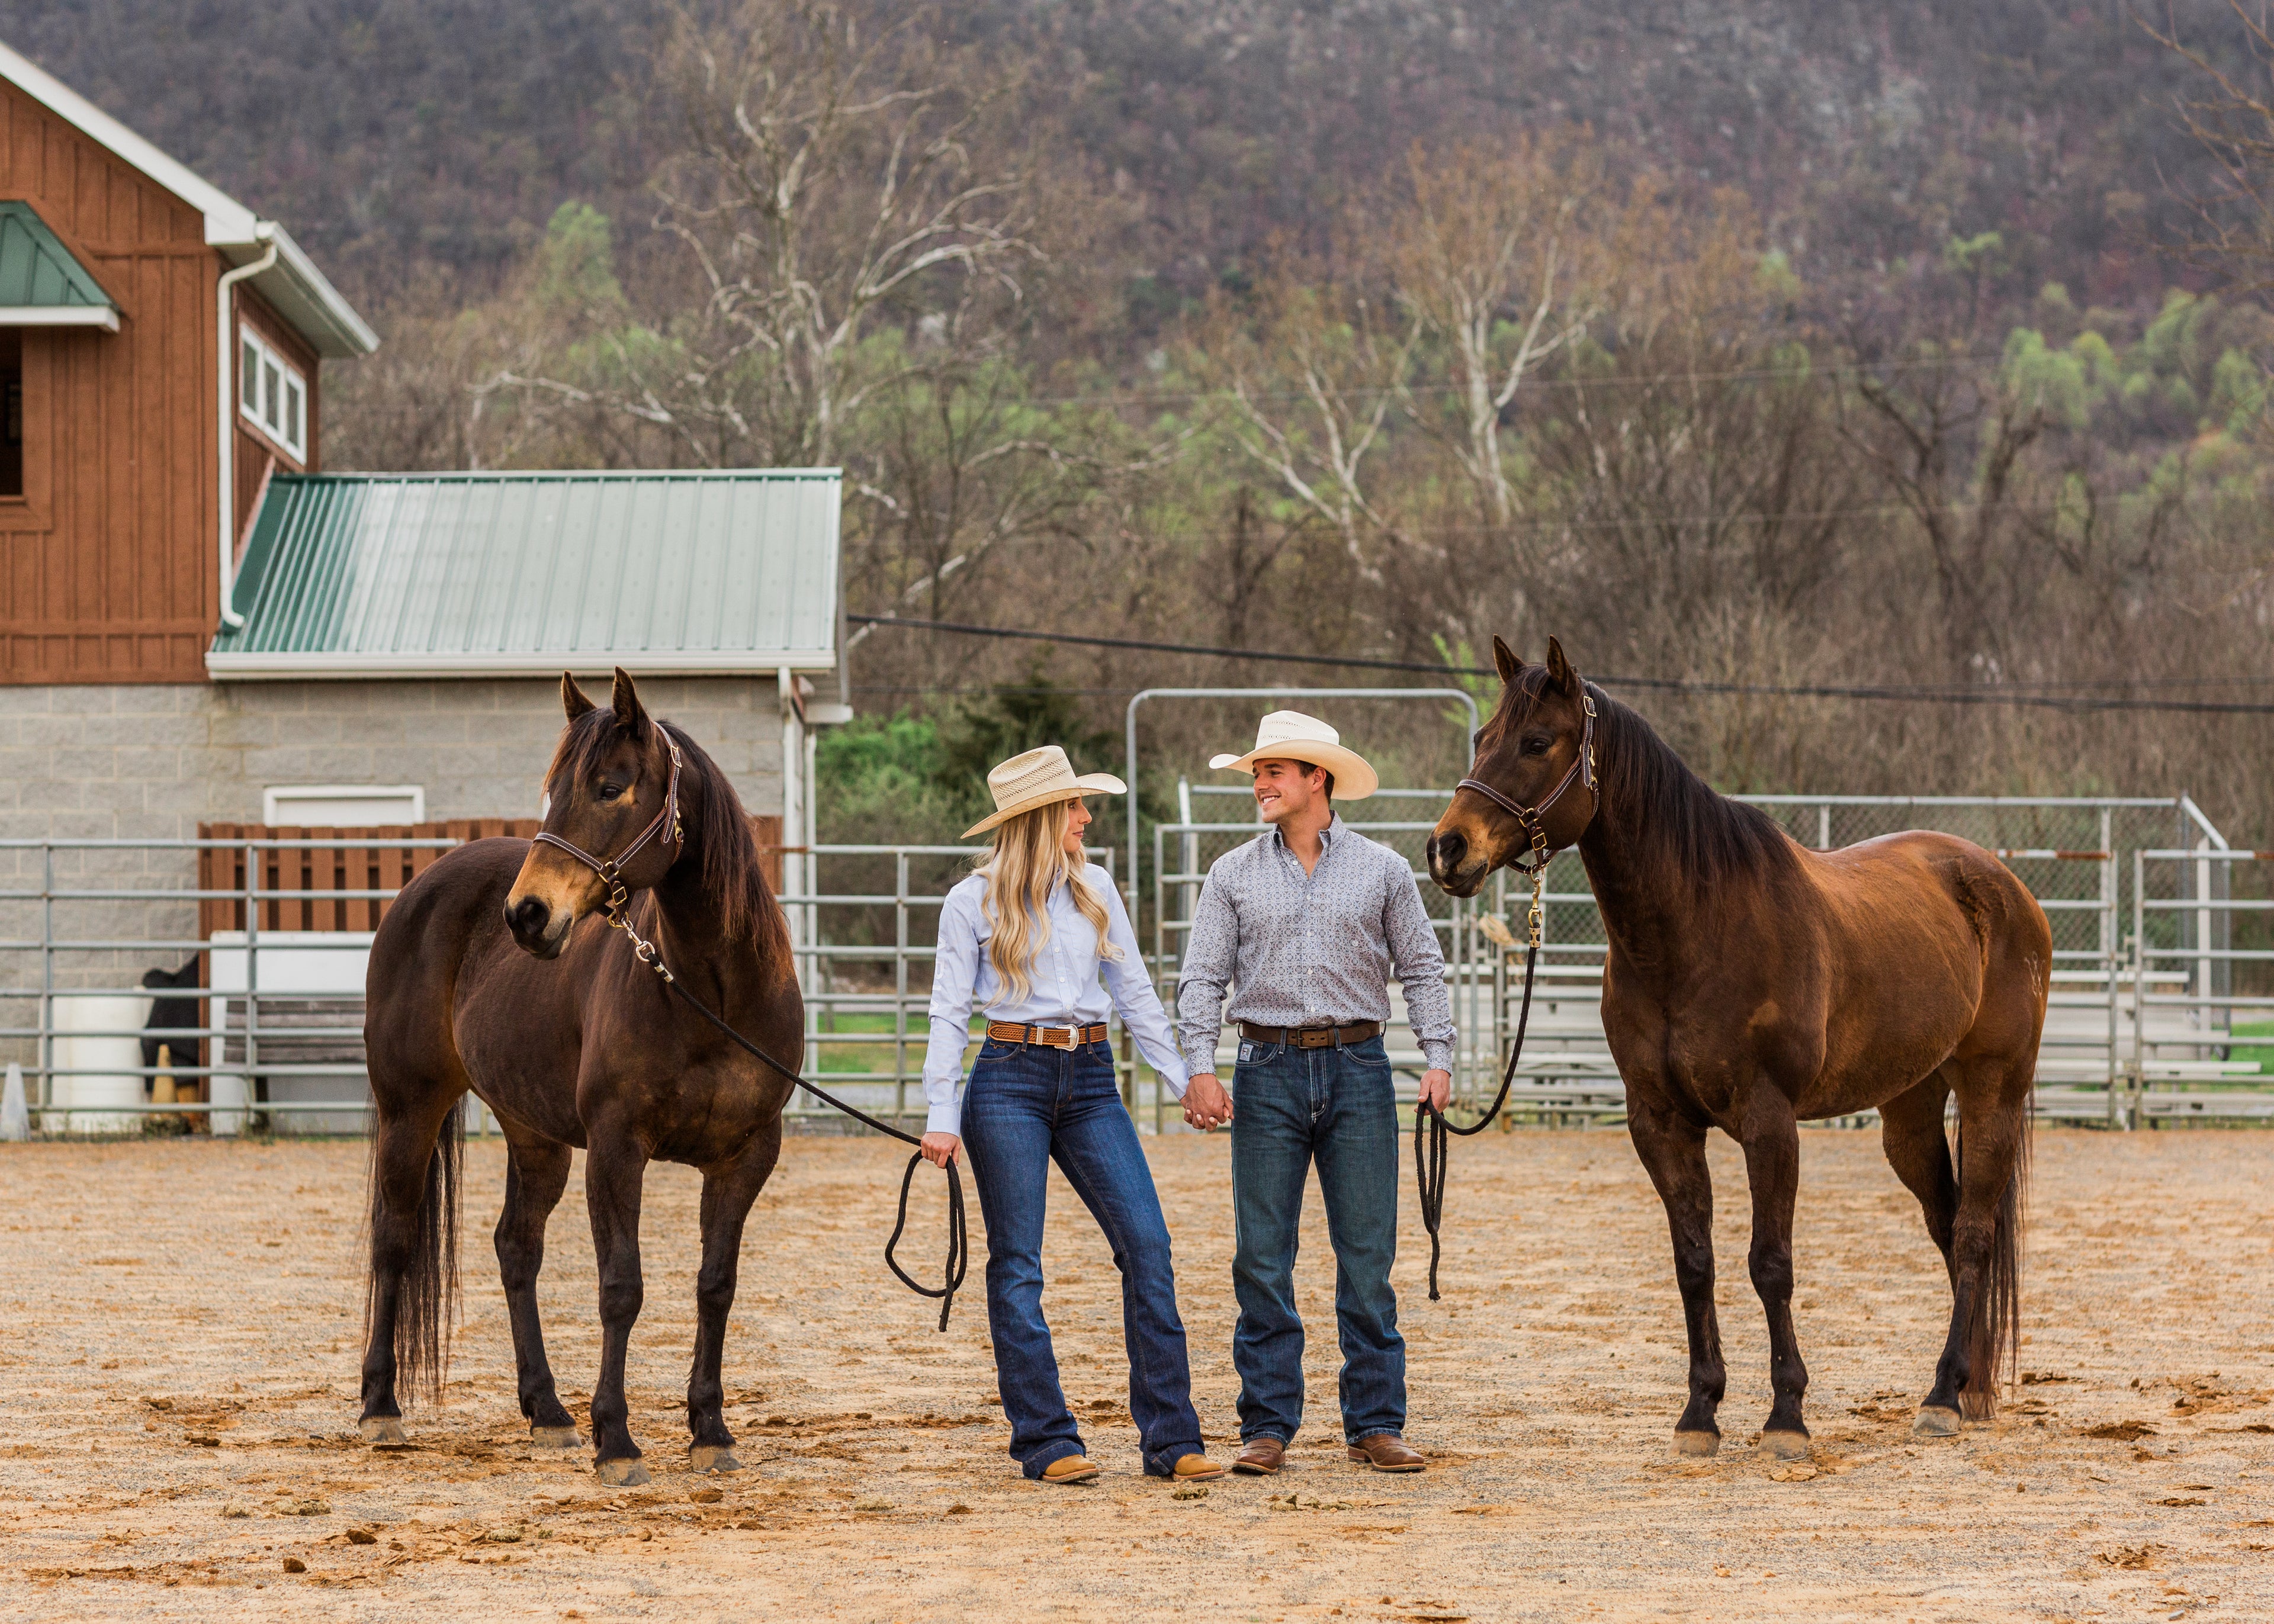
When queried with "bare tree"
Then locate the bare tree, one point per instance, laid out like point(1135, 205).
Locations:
point(1309, 376)
point(2232, 121)
point(1492, 252)
point(828, 182)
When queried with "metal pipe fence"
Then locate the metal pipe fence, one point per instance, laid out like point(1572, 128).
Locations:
point(2163, 1001)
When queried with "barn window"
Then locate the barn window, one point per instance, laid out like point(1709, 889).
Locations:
point(12, 412)
point(272, 393)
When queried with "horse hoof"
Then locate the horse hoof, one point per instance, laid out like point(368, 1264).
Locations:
point(623, 1474)
point(1935, 1422)
point(555, 1437)
point(1698, 1443)
point(713, 1458)
point(382, 1429)
point(1786, 1446)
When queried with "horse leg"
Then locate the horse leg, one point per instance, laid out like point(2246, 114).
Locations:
point(1771, 1143)
point(728, 1191)
point(535, 1173)
point(1673, 1152)
point(1912, 1134)
point(414, 1252)
point(614, 1168)
point(1993, 1126)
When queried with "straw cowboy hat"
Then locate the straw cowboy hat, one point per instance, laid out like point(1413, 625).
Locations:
point(1036, 778)
point(1290, 735)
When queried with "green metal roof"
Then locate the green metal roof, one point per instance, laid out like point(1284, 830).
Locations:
point(38, 272)
point(528, 573)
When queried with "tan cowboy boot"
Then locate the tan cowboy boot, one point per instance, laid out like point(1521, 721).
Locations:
point(1071, 1469)
point(1197, 1468)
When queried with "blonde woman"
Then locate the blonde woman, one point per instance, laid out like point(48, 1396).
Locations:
point(1037, 939)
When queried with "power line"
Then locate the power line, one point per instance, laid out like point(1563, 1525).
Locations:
point(1894, 693)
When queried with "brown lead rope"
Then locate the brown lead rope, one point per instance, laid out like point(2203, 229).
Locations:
point(1430, 1129)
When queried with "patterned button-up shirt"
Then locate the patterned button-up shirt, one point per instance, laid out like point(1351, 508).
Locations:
point(1311, 950)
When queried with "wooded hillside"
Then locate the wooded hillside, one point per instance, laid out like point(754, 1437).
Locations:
point(1746, 343)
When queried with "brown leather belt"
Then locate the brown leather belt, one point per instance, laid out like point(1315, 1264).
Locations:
point(1046, 1037)
point(1311, 1037)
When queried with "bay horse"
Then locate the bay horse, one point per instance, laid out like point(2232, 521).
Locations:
point(496, 973)
point(1750, 984)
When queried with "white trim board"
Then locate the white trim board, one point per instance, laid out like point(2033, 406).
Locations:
point(695, 663)
point(103, 316)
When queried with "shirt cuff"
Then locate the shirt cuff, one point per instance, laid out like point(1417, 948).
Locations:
point(946, 1117)
point(1199, 1059)
point(1438, 1052)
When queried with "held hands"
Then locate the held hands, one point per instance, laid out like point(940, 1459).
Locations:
point(939, 1149)
point(1205, 1104)
point(1436, 1088)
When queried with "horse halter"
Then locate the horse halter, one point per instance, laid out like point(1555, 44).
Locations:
point(1533, 820)
point(611, 870)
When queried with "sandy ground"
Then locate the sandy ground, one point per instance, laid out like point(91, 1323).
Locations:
point(178, 1386)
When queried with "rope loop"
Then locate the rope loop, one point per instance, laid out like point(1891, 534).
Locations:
point(958, 1242)
point(1430, 1126)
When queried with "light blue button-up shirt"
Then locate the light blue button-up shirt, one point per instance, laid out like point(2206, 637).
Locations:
point(1071, 985)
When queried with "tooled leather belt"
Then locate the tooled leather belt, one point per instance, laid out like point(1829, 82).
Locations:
point(1311, 1037)
point(1046, 1037)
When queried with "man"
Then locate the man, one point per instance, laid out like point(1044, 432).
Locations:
point(1308, 922)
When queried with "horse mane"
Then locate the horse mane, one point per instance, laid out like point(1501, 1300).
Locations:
point(733, 875)
point(1712, 836)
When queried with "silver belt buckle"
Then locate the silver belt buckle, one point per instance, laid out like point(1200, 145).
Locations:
point(1073, 1039)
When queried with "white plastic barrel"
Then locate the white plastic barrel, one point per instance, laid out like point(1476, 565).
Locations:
point(100, 1038)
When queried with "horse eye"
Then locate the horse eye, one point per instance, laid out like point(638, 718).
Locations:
point(611, 792)
point(1536, 745)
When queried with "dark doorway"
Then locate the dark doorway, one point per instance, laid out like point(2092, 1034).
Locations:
point(12, 411)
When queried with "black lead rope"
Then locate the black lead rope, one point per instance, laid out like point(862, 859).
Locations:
point(959, 1245)
point(1430, 1129)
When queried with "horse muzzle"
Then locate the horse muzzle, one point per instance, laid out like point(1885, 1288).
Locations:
point(1457, 872)
point(540, 928)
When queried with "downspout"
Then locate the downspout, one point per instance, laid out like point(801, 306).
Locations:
point(262, 232)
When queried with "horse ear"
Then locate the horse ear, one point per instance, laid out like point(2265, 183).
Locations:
point(572, 698)
point(630, 716)
point(1560, 674)
point(1505, 658)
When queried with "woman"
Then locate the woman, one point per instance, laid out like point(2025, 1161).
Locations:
point(1037, 939)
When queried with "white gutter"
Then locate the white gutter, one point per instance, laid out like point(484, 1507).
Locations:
point(225, 349)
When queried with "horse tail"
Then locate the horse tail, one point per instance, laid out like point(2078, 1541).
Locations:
point(1994, 1329)
point(426, 1300)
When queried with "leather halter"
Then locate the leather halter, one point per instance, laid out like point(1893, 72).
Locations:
point(1530, 818)
point(611, 870)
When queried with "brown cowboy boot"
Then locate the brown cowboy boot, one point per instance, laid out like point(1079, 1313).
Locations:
point(1387, 1452)
point(1261, 1456)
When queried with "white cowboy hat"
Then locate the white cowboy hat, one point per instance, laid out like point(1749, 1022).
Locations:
point(1290, 735)
point(1036, 778)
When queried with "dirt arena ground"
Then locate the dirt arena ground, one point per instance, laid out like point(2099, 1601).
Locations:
point(178, 1378)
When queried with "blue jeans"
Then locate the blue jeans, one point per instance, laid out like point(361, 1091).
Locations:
point(1335, 1107)
point(1026, 1108)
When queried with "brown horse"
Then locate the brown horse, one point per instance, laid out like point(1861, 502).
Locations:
point(496, 971)
point(1750, 984)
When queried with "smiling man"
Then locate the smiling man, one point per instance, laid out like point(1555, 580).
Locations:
point(1307, 922)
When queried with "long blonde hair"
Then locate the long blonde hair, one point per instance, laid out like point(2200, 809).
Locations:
point(1028, 863)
